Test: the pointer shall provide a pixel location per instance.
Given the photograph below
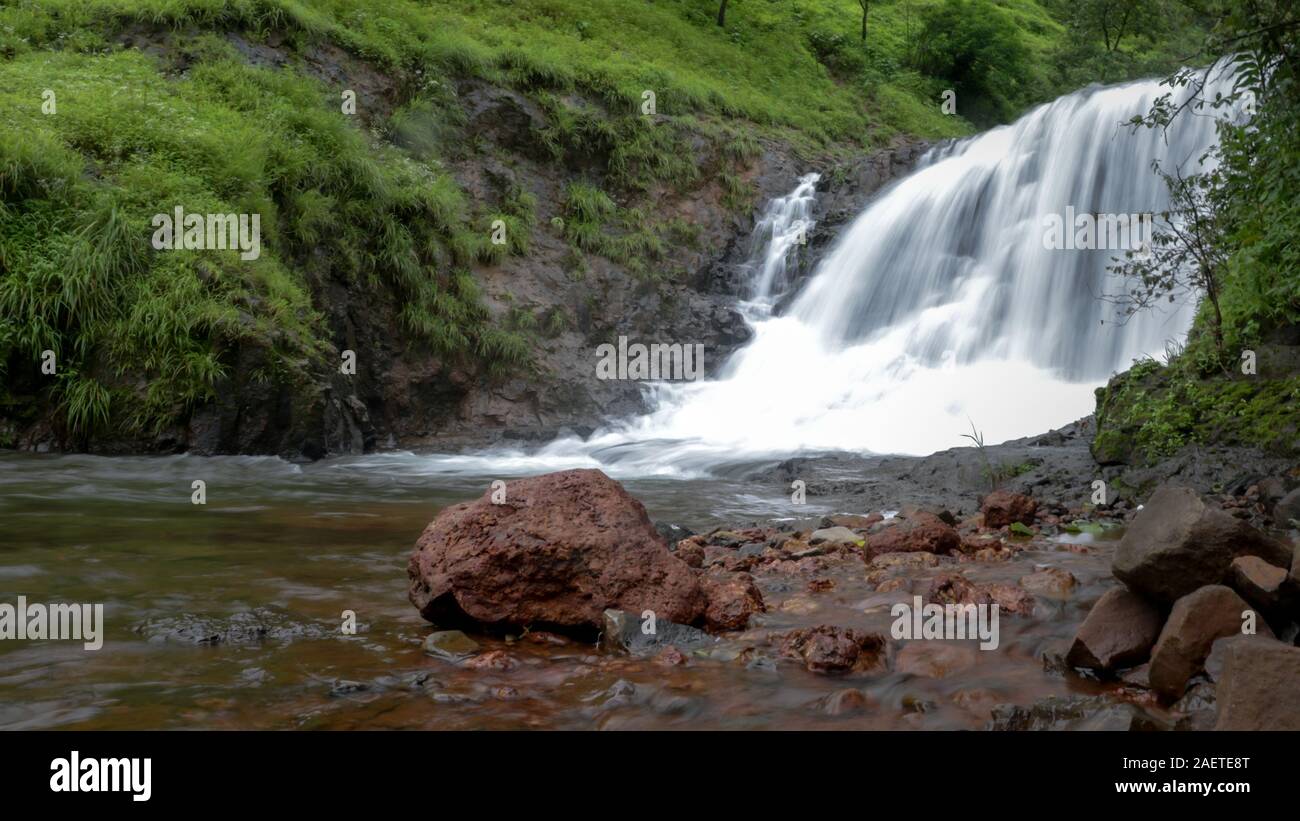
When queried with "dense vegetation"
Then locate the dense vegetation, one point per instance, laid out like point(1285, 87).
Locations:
point(114, 110)
point(1238, 379)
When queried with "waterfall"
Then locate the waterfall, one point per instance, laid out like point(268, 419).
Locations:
point(941, 306)
point(784, 226)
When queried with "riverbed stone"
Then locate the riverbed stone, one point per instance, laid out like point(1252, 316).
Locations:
point(1074, 713)
point(828, 649)
point(922, 532)
point(730, 600)
point(450, 645)
point(633, 633)
point(954, 588)
point(1196, 621)
point(835, 535)
point(1050, 582)
point(1259, 687)
point(935, 659)
point(559, 550)
point(1118, 632)
point(1177, 544)
point(1002, 508)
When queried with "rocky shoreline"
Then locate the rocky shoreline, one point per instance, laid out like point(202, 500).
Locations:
point(1142, 630)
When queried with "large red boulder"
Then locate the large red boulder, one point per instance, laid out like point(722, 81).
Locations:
point(558, 550)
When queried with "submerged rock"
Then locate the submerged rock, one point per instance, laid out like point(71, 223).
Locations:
point(954, 588)
point(631, 633)
point(1074, 713)
point(250, 627)
point(450, 645)
point(1050, 582)
point(1177, 543)
point(932, 659)
point(843, 702)
point(828, 649)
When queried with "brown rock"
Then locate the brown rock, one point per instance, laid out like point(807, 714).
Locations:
point(890, 585)
point(1002, 507)
point(919, 559)
point(827, 649)
point(561, 550)
point(1259, 583)
point(670, 656)
point(1177, 544)
point(1119, 632)
point(1011, 600)
point(844, 702)
point(923, 532)
point(691, 552)
point(1259, 688)
point(953, 588)
point(852, 521)
point(543, 637)
point(934, 659)
point(1195, 622)
point(494, 660)
point(1050, 582)
point(730, 601)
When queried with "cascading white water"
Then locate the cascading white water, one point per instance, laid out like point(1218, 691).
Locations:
point(938, 308)
point(784, 225)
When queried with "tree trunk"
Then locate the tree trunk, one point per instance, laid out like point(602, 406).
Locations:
point(722, 13)
point(864, 22)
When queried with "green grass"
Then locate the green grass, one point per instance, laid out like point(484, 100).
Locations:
point(80, 187)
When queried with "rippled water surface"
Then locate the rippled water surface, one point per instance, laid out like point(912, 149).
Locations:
point(298, 545)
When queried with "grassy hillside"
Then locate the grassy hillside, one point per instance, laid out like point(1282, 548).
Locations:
point(114, 110)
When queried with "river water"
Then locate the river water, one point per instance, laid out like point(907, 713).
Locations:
point(279, 552)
